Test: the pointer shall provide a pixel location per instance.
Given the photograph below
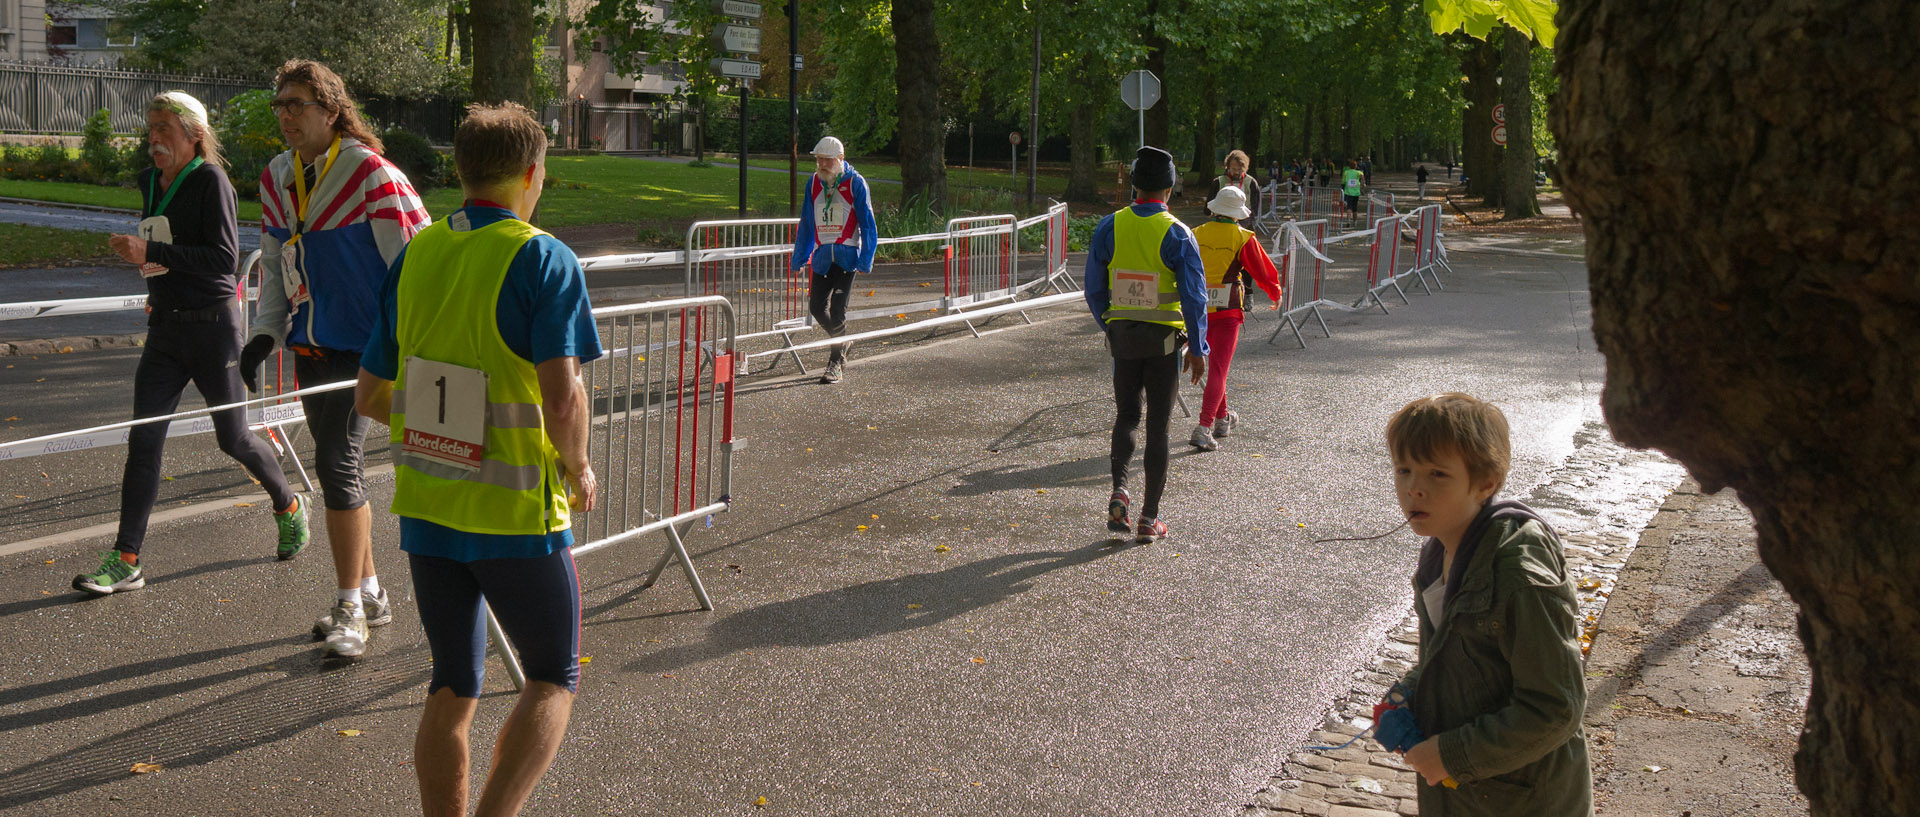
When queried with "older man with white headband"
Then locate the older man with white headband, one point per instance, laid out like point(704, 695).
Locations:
point(185, 248)
point(837, 237)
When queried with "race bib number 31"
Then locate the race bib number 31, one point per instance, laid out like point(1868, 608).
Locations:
point(1136, 289)
point(446, 413)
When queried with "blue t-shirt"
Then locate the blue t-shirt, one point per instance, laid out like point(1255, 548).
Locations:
point(543, 313)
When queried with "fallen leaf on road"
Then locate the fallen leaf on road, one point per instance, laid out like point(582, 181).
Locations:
point(760, 803)
point(169, 479)
point(41, 380)
point(941, 548)
point(11, 419)
point(979, 660)
point(348, 733)
point(1589, 584)
point(860, 527)
point(873, 428)
point(870, 293)
point(922, 283)
point(586, 659)
point(1651, 768)
point(243, 504)
point(913, 607)
point(1366, 784)
point(144, 768)
point(1301, 524)
point(668, 675)
point(1039, 490)
point(874, 515)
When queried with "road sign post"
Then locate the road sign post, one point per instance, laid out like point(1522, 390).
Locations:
point(1014, 138)
point(1140, 89)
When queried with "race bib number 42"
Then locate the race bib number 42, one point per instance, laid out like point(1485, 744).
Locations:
point(446, 413)
point(1136, 289)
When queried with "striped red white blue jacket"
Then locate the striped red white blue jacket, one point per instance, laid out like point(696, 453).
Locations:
point(358, 220)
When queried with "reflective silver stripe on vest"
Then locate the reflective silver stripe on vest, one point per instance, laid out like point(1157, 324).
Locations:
point(499, 415)
point(492, 472)
point(1145, 315)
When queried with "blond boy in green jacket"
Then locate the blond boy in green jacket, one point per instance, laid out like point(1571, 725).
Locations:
point(1499, 689)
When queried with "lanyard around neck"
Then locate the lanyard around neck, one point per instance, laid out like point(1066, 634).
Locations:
point(300, 199)
point(153, 187)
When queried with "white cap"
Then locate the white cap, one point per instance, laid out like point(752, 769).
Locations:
point(189, 109)
point(1230, 202)
point(829, 146)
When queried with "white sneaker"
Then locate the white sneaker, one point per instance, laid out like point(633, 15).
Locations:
point(377, 610)
point(1203, 439)
point(1223, 425)
point(347, 630)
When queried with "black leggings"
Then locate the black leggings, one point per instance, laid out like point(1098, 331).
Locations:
point(1159, 378)
point(208, 355)
point(339, 432)
point(827, 296)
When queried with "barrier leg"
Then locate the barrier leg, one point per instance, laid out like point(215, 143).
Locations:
point(285, 445)
point(1286, 323)
point(500, 645)
point(676, 547)
point(1182, 400)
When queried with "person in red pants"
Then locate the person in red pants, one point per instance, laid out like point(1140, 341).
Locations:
point(1235, 261)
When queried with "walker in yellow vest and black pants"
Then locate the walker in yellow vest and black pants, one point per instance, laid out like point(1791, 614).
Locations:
point(1147, 287)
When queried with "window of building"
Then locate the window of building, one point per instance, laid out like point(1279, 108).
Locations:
point(121, 35)
point(62, 34)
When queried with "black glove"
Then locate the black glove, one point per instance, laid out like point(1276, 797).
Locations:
point(251, 356)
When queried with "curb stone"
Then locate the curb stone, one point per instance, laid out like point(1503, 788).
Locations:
point(61, 346)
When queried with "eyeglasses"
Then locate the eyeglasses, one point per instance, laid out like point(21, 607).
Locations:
point(291, 107)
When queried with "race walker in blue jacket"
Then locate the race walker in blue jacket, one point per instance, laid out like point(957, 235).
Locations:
point(837, 237)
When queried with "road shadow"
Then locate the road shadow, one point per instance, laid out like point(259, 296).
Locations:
point(67, 595)
point(874, 608)
point(306, 693)
point(1069, 474)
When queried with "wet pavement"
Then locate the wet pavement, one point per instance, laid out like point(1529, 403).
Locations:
point(981, 647)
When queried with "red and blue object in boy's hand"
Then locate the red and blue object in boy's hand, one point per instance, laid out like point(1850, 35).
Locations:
point(1393, 723)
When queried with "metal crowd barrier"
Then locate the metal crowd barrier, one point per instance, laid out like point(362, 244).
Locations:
point(979, 260)
point(1299, 241)
point(1294, 241)
point(661, 440)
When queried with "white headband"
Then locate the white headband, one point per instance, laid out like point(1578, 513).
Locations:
point(189, 109)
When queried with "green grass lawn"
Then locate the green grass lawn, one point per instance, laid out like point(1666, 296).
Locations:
point(585, 190)
point(22, 245)
point(125, 198)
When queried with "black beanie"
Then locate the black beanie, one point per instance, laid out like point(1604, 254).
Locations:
point(1152, 169)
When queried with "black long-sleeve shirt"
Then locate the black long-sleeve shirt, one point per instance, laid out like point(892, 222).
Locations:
point(206, 240)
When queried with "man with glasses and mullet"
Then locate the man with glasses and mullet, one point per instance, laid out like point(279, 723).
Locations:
point(335, 215)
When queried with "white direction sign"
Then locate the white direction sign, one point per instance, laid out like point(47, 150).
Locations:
point(737, 8)
point(740, 69)
point(738, 39)
point(1140, 89)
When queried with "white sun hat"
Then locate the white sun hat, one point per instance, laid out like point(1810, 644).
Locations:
point(829, 146)
point(1230, 202)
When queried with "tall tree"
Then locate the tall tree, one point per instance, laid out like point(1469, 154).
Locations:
point(503, 48)
point(923, 164)
point(1479, 19)
point(1765, 337)
point(1516, 93)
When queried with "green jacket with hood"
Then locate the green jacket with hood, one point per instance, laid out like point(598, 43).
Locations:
point(1501, 681)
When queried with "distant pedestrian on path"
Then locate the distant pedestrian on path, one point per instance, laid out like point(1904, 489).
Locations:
point(1237, 176)
point(1420, 178)
point(1146, 286)
point(474, 364)
point(1350, 182)
point(334, 214)
point(186, 249)
point(1234, 261)
point(1499, 689)
point(838, 237)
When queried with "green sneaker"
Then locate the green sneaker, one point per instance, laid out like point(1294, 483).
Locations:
point(113, 576)
point(293, 530)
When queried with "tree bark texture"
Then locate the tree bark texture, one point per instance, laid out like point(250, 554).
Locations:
point(1306, 136)
point(1206, 124)
point(923, 166)
point(1750, 184)
point(502, 50)
point(1516, 92)
point(1482, 158)
point(1082, 183)
point(1251, 124)
point(1156, 45)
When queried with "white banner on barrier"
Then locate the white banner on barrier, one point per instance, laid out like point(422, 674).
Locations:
point(257, 418)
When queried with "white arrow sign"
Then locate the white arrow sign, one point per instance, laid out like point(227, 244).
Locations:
point(741, 69)
point(737, 8)
point(738, 39)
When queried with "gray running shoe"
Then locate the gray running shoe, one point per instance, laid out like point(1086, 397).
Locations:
point(1225, 424)
point(347, 631)
point(836, 369)
point(1203, 438)
point(379, 614)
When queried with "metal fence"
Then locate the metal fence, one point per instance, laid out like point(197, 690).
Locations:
point(661, 439)
point(979, 260)
point(38, 98)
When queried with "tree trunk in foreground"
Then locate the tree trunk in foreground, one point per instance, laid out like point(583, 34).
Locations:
point(1747, 178)
point(1516, 92)
point(1480, 65)
point(1083, 184)
point(923, 164)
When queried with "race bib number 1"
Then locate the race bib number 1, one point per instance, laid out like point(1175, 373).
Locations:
point(291, 278)
point(1136, 289)
point(154, 228)
point(446, 413)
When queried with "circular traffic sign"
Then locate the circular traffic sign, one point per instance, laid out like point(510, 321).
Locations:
point(1500, 113)
point(1500, 135)
point(1014, 137)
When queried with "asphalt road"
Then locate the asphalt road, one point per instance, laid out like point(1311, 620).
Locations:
point(1030, 668)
